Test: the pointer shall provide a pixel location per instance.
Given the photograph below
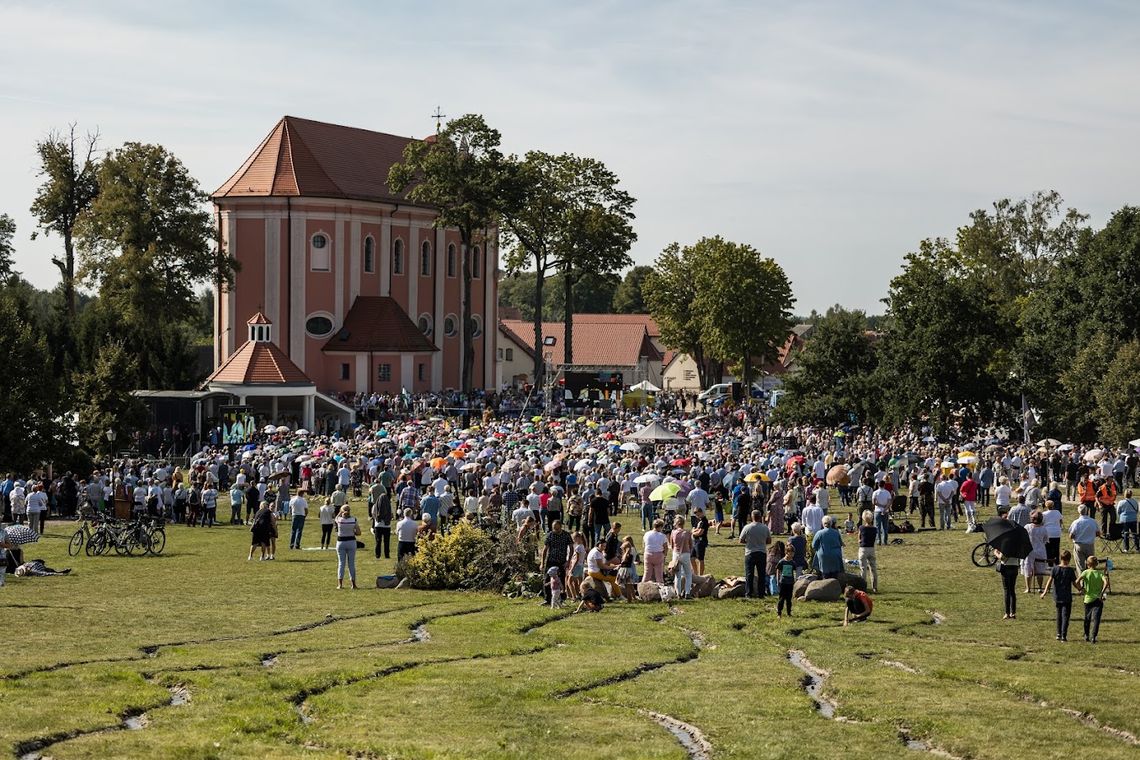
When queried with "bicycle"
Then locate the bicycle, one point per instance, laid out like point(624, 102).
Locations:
point(80, 538)
point(983, 555)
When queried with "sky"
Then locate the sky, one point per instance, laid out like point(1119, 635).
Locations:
point(831, 136)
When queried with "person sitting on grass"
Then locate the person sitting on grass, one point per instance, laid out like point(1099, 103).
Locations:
point(592, 601)
point(598, 568)
point(858, 606)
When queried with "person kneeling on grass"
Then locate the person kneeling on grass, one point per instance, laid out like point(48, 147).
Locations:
point(858, 606)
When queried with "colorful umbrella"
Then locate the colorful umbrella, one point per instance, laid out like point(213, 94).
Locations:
point(664, 491)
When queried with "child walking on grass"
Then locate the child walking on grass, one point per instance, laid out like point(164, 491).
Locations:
point(786, 575)
point(1061, 579)
point(1095, 586)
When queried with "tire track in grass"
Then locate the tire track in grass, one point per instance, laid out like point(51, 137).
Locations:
point(628, 675)
point(149, 651)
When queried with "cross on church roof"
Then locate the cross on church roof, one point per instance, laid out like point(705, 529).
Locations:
point(438, 116)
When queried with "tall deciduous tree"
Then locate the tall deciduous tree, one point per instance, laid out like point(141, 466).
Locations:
point(104, 397)
point(629, 297)
point(744, 300)
point(833, 383)
point(146, 243)
point(670, 293)
point(1117, 396)
point(598, 219)
point(7, 250)
point(70, 185)
point(463, 174)
point(29, 402)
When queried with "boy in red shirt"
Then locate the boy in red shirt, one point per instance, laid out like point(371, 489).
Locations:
point(858, 606)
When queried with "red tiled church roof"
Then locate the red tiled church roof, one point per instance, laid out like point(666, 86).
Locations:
point(259, 363)
point(259, 319)
point(377, 323)
point(597, 341)
point(301, 157)
point(629, 319)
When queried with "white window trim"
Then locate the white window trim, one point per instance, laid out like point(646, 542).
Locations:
point(425, 247)
point(476, 326)
point(399, 271)
point(364, 255)
point(326, 315)
point(454, 321)
point(326, 251)
point(430, 322)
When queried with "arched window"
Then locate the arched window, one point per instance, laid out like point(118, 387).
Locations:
point(475, 262)
point(451, 260)
point(369, 254)
point(397, 256)
point(319, 253)
point(425, 259)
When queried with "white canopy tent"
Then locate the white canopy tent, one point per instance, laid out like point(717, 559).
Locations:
point(645, 385)
point(655, 433)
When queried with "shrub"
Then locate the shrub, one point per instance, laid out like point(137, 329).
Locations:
point(469, 558)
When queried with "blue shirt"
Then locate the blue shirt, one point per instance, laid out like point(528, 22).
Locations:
point(828, 547)
point(1126, 510)
point(431, 506)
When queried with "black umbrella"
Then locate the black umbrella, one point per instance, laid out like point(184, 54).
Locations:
point(1008, 537)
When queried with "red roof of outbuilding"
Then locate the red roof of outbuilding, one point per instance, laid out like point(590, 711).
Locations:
point(597, 341)
point(259, 363)
point(301, 157)
point(378, 323)
point(631, 319)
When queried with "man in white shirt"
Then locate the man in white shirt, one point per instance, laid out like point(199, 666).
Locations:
point(37, 507)
point(823, 497)
point(944, 492)
point(209, 505)
point(698, 499)
point(407, 530)
point(881, 501)
point(812, 518)
point(298, 508)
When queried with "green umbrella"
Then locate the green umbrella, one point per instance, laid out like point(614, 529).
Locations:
point(664, 491)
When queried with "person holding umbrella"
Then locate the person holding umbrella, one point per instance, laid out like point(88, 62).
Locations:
point(1011, 544)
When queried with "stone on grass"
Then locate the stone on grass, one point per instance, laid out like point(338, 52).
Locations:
point(829, 590)
point(801, 585)
point(387, 581)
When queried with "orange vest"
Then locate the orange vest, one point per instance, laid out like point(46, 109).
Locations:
point(1107, 493)
point(1088, 491)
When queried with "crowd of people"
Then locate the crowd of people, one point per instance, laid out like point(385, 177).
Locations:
point(789, 495)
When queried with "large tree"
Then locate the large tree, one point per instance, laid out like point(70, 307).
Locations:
point(70, 185)
point(462, 173)
point(30, 404)
point(670, 293)
point(7, 250)
point(938, 359)
point(744, 300)
point(598, 218)
point(630, 296)
point(147, 243)
point(833, 380)
point(104, 398)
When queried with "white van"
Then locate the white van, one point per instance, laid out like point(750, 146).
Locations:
point(724, 390)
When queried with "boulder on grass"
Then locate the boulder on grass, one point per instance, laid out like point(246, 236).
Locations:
point(387, 581)
point(599, 586)
point(703, 586)
point(801, 585)
point(851, 579)
point(648, 591)
point(829, 590)
point(726, 590)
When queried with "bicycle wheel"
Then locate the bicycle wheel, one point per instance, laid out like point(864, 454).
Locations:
point(157, 541)
point(75, 545)
point(983, 555)
point(96, 545)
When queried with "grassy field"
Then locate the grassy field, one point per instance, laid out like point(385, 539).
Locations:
point(199, 653)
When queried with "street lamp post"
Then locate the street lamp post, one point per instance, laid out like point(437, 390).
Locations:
point(111, 436)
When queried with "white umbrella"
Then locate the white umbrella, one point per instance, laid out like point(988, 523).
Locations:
point(583, 464)
point(470, 467)
point(1049, 442)
point(630, 446)
point(647, 478)
point(511, 464)
point(269, 429)
point(301, 431)
point(282, 429)
point(1065, 447)
point(1093, 454)
point(592, 450)
point(968, 460)
point(1135, 443)
point(340, 445)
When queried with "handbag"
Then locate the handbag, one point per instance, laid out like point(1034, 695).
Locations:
point(360, 544)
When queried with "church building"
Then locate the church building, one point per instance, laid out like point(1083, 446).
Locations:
point(361, 290)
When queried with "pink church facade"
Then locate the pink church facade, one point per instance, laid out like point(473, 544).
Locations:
point(365, 292)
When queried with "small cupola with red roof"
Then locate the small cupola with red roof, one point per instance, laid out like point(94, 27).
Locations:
point(260, 328)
